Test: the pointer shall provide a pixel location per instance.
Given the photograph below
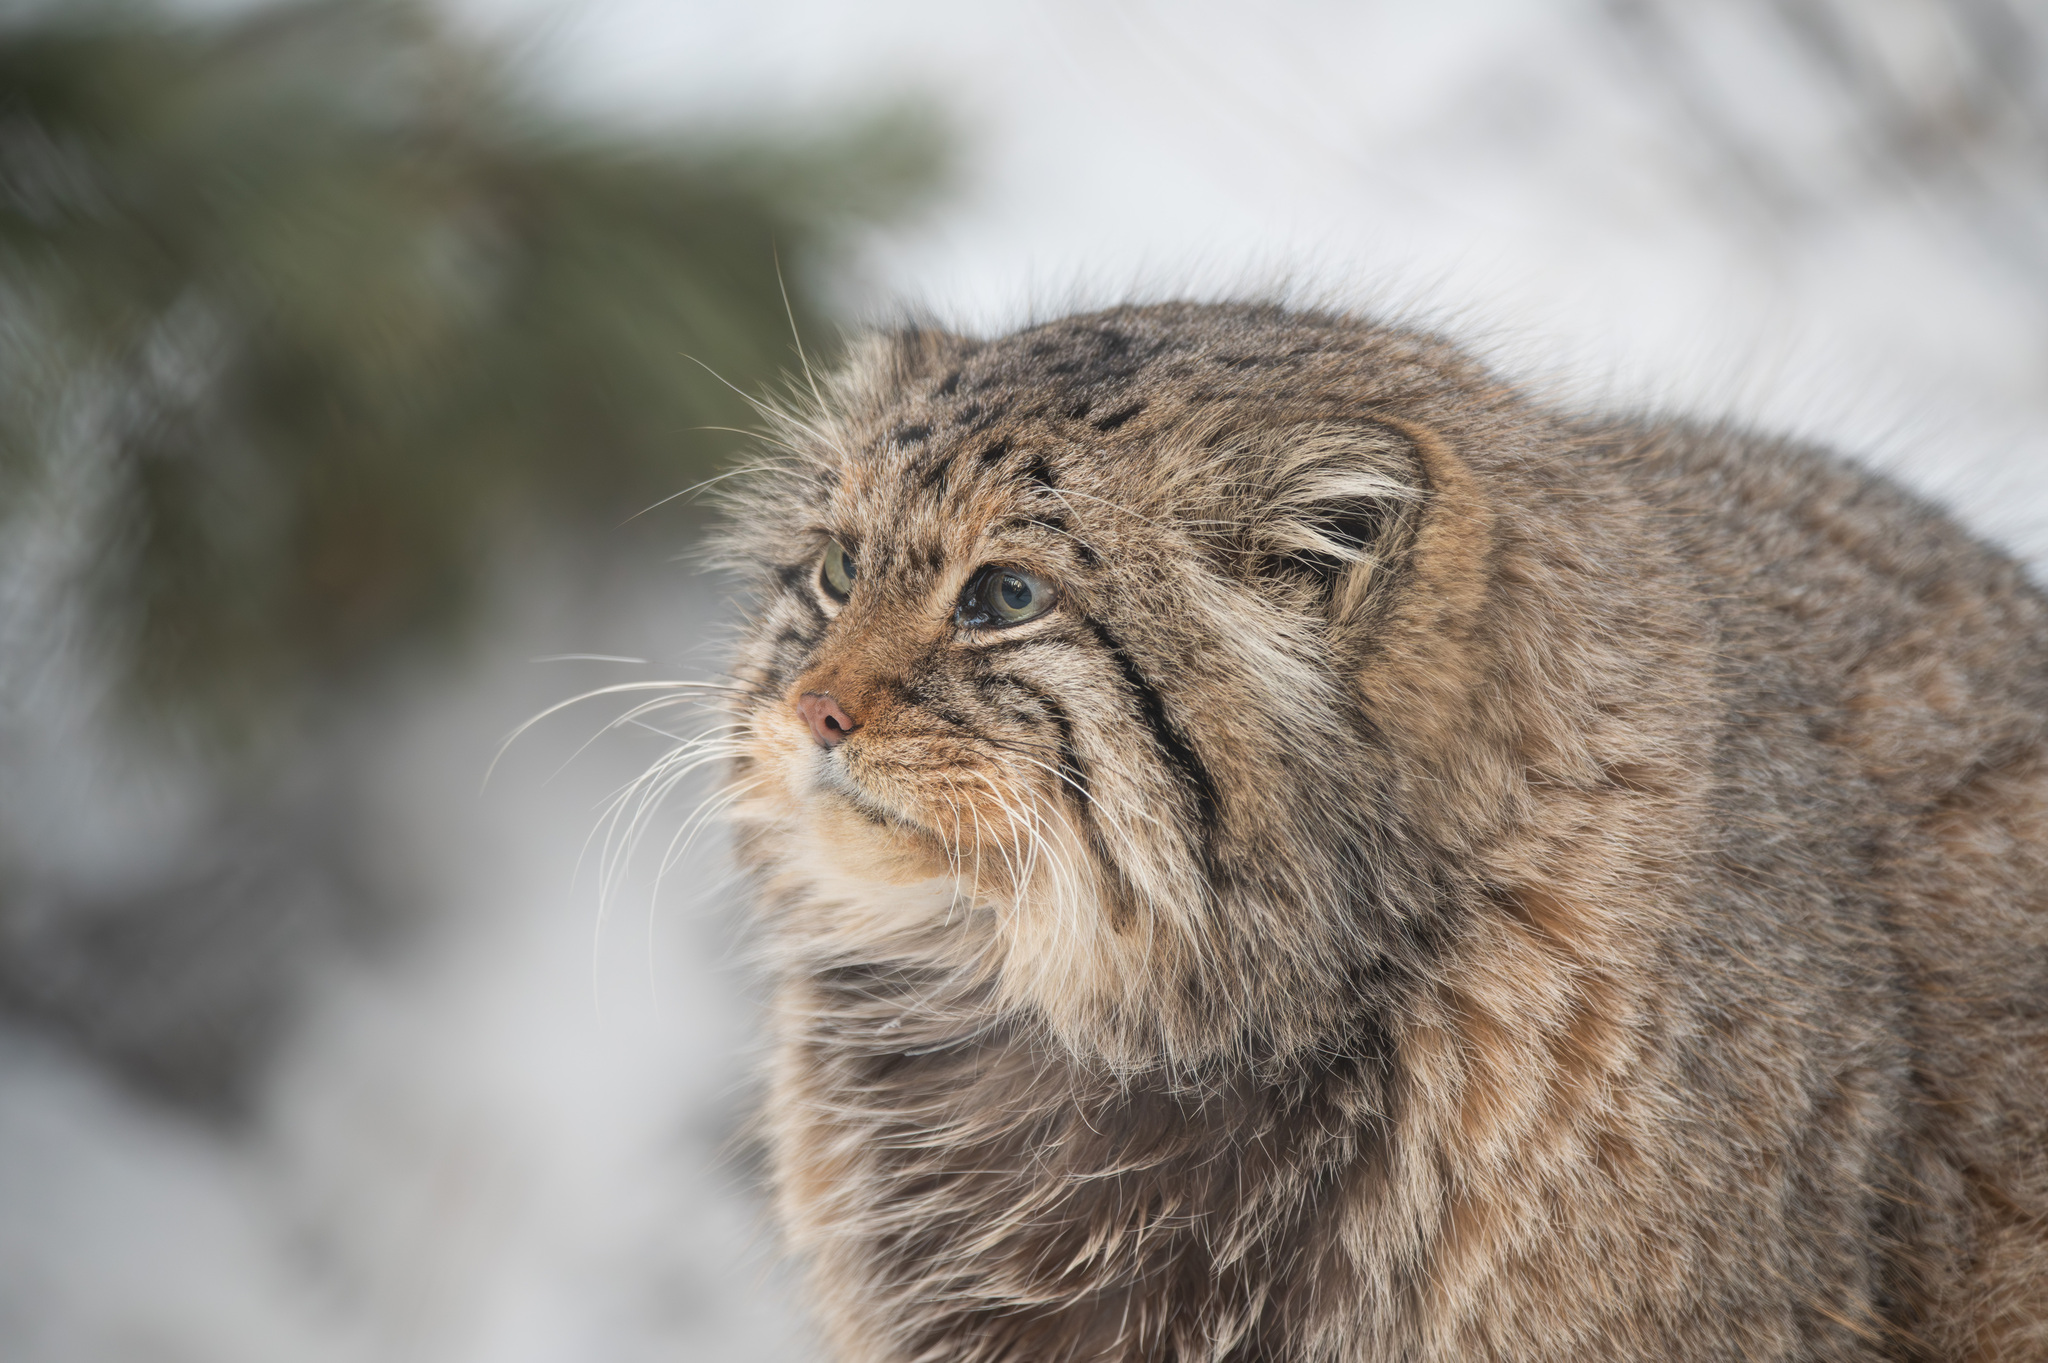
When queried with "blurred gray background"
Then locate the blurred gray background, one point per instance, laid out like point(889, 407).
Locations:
point(350, 353)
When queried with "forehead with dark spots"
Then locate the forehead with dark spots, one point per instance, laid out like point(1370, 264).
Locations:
point(1071, 383)
point(917, 501)
point(1115, 379)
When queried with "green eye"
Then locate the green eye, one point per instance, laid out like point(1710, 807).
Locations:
point(838, 572)
point(1016, 596)
point(1003, 596)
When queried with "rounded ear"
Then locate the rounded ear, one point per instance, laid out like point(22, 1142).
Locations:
point(1328, 503)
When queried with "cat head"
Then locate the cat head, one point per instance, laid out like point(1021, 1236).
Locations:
point(1088, 665)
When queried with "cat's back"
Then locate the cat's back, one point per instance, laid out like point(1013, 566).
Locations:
point(1874, 652)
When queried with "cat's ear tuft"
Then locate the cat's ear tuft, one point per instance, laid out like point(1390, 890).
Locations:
point(1331, 501)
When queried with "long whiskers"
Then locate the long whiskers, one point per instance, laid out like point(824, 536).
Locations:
point(628, 813)
point(707, 810)
point(724, 687)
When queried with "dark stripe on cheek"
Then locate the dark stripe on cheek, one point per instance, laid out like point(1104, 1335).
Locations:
point(914, 696)
point(1172, 743)
point(795, 581)
point(1070, 764)
point(1123, 907)
point(947, 715)
point(1077, 787)
point(791, 647)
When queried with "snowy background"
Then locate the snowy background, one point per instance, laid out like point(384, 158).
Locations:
point(521, 1136)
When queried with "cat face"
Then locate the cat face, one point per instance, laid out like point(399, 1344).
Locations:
point(1052, 690)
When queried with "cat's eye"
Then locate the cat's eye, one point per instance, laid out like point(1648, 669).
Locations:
point(838, 571)
point(1003, 596)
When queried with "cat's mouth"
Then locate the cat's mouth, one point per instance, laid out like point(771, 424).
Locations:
point(832, 778)
point(945, 811)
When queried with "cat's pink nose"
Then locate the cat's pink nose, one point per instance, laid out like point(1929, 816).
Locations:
point(829, 724)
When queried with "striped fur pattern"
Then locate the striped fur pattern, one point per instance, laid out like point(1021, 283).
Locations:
point(1444, 880)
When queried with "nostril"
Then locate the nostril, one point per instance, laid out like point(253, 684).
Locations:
point(828, 722)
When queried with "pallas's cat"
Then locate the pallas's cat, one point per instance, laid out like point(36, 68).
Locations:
point(1275, 845)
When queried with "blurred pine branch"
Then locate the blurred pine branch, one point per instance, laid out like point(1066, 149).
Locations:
point(297, 313)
